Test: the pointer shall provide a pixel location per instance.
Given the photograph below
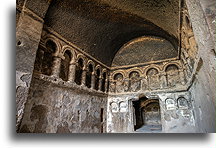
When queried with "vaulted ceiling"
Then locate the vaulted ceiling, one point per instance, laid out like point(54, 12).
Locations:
point(102, 27)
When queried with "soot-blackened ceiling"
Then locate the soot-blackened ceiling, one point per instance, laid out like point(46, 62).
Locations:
point(102, 27)
point(144, 49)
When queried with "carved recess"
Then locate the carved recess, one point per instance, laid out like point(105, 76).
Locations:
point(59, 59)
point(164, 76)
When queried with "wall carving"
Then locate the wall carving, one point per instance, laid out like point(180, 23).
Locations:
point(164, 76)
point(189, 48)
point(117, 106)
point(177, 103)
point(170, 104)
point(114, 107)
point(58, 59)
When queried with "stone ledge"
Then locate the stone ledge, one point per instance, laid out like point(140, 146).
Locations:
point(67, 84)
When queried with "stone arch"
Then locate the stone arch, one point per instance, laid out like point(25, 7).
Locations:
point(65, 63)
point(134, 81)
point(148, 101)
point(98, 70)
point(171, 63)
point(132, 72)
point(172, 74)
point(81, 56)
point(56, 42)
point(152, 71)
point(116, 72)
point(170, 104)
point(118, 80)
point(98, 67)
point(79, 70)
point(171, 67)
point(151, 112)
point(147, 112)
point(151, 67)
point(65, 48)
point(123, 106)
point(118, 75)
point(138, 70)
point(45, 56)
point(114, 107)
point(105, 70)
point(104, 79)
point(152, 75)
point(92, 63)
point(182, 103)
point(89, 72)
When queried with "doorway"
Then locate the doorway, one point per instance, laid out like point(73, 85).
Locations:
point(147, 115)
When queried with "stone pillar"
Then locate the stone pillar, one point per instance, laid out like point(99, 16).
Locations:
point(93, 80)
point(106, 85)
point(144, 83)
point(182, 76)
point(72, 72)
point(188, 71)
point(56, 66)
point(100, 83)
point(163, 80)
point(83, 81)
point(29, 25)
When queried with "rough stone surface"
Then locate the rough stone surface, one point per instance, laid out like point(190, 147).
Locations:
point(208, 7)
point(88, 70)
point(104, 26)
point(54, 109)
point(174, 120)
point(203, 87)
point(143, 50)
point(28, 32)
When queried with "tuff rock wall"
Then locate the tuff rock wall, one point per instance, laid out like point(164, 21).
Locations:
point(54, 108)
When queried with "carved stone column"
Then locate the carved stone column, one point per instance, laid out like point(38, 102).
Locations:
point(112, 87)
point(106, 85)
point(72, 72)
point(126, 85)
point(83, 81)
point(163, 80)
point(93, 80)
point(56, 66)
point(187, 71)
point(182, 76)
point(144, 83)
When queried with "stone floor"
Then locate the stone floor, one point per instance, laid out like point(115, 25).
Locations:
point(149, 129)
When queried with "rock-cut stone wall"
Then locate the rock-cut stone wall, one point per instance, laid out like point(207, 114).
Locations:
point(51, 108)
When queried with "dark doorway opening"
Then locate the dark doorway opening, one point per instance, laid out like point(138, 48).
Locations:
point(147, 115)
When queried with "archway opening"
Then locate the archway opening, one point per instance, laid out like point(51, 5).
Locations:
point(97, 79)
point(89, 75)
point(147, 115)
point(79, 70)
point(103, 87)
point(65, 63)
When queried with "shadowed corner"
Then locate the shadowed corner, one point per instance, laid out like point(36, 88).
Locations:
point(12, 71)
